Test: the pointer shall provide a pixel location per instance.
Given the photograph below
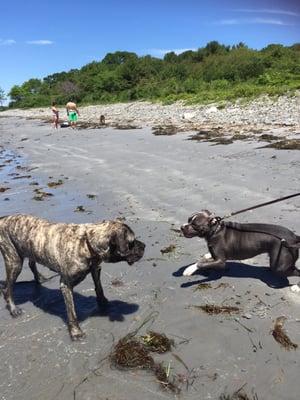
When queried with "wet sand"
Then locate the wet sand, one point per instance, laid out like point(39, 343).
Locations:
point(155, 182)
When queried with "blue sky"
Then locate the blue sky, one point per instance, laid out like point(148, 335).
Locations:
point(41, 37)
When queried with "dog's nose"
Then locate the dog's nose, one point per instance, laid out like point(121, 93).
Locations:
point(183, 227)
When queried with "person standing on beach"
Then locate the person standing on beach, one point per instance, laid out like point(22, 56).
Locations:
point(72, 112)
point(55, 115)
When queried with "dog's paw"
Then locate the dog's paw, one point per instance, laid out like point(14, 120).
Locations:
point(16, 312)
point(77, 334)
point(295, 288)
point(207, 256)
point(190, 270)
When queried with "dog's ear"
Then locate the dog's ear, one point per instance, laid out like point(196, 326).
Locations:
point(124, 240)
point(98, 242)
point(207, 213)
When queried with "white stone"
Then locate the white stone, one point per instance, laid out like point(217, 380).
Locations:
point(212, 109)
point(188, 115)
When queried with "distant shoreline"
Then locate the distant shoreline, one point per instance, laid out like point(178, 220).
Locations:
point(262, 114)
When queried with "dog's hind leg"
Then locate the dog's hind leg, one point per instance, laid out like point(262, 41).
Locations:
point(295, 288)
point(39, 278)
point(283, 262)
point(13, 265)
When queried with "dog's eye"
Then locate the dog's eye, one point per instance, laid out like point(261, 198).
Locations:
point(130, 245)
point(193, 222)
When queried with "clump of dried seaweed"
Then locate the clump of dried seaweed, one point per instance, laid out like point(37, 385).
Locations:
point(79, 209)
point(286, 144)
point(131, 353)
point(126, 126)
point(157, 342)
point(239, 394)
point(202, 286)
point(280, 335)
point(167, 130)
point(213, 309)
point(54, 184)
point(162, 375)
point(117, 282)
point(168, 249)
point(41, 195)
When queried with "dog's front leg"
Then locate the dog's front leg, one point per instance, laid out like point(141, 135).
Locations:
point(96, 272)
point(218, 264)
point(74, 328)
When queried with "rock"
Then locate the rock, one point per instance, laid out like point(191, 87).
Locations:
point(212, 109)
point(247, 316)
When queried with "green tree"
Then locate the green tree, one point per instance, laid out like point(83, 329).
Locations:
point(2, 96)
point(16, 94)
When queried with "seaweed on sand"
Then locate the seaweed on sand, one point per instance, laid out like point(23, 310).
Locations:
point(267, 138)
point(237, 396)
point(117, 282)
point(162, 375)
point(222, 140)
point(167, 130)
point(213, 309)
point(54, 184)
point(79, 209)
point(214, 137)
point(125, 126)
point(168, 249)
point(41, 195)
point(203, 136)
point(280, 335)
point(202, 286)
point(130, 353)
point(157, 342)
point(286, 144)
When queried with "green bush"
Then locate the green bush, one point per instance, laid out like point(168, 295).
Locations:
point(213, 73)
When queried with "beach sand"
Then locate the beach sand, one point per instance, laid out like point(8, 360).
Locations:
point(155, 183)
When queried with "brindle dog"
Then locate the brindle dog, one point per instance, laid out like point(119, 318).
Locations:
point(71, 250)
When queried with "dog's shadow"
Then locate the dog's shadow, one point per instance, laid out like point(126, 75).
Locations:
point(237, 270)
point(51, 301)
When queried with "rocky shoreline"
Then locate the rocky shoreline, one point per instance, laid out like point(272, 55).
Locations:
point(280, 115)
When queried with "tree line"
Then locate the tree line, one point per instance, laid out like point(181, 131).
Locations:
point(211, 73)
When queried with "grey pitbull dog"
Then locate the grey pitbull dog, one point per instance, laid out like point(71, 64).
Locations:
point(234, 241)
point(71, 250)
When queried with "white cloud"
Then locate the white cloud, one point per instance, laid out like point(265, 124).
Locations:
point(253, 21)
point(7, 42)
point(162, 52)
point(40, 42)
point(268, 11)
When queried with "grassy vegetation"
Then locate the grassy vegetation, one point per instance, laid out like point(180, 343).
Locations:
point(212, 73)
